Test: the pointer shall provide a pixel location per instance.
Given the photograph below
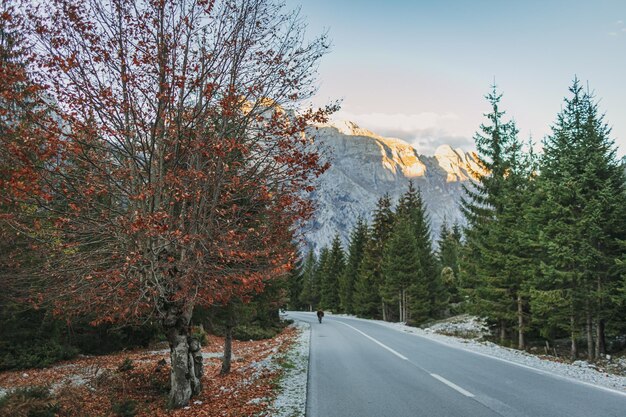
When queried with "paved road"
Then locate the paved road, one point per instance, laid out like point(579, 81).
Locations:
point(363, 369)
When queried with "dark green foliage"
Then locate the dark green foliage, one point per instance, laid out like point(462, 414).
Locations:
point(367, 300)
point(494, 270)
point(31, 339)
point(356, 251)
point(34, 355)
point(402, 271)
point(295, 284)
point(125, 408)
point(33, 401)
point(543, 243)
point(126, 365)
point(309, 296)
point(250, 319)
point(249, 332)
point(583, 219)
point(35, 339)
point(448, 258)
point(332, 270)
point(106, 338)
point(411, 206)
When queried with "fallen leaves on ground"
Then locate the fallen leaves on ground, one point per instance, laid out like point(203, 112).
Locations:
point(93, 386)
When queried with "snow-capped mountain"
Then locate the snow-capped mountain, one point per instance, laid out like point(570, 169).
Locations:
point(365, 166)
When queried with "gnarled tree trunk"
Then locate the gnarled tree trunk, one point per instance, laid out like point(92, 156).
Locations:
point(185, 355)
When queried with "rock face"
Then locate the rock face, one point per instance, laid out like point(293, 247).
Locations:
point(365, 166)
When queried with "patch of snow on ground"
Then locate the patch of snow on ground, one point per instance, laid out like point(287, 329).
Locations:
point(291, 398)
point(464, 326)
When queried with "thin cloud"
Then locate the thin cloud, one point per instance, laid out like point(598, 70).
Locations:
point(424, 131)
point(619, 30)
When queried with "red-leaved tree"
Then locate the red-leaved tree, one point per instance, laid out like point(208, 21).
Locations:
point(180, 157)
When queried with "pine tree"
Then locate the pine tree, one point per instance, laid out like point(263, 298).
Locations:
point(582, 221)
point(295, 285)
point(333, 269)
point(403, 273)
point(367, 299)
point(488, 278)
point(309, 296)
point(448, 258)
point(411, 206)
point(356, 250)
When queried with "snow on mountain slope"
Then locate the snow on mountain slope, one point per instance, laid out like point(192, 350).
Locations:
point(365, 166)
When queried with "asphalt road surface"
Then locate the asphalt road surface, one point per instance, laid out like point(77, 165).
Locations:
point(360, 368)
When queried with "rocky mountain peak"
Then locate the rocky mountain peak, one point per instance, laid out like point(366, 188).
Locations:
point(365, 166)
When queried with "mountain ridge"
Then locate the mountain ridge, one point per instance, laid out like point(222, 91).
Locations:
point(365, 166)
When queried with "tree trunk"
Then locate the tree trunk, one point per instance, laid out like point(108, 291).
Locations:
point(405, 306)
point(600, 339)
point(228, 340)
point(384, 312)
point(521, 343)
point(196, 367)
point(185, 357)
point(180, 391)
point(228, 350)
point(589, 331)
point(574, 347)
point(502, 332)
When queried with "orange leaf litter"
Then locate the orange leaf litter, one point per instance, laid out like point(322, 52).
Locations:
point(91, 385)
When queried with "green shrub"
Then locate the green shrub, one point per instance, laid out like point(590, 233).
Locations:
point(36, 354)
point(126, 366)
point(33, 401)
point(105, 339)
point(126, 408)
point(35, 338)
point(251, 332)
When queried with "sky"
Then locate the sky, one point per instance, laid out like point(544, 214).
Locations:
point(419, 70)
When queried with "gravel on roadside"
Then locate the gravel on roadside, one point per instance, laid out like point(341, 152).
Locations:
point(291, 398)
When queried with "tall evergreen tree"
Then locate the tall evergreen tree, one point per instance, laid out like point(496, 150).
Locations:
point(403, 273)
point(582, 221)
point(295, 285)
point(412, 207)
point(309, 296)
point(448, 258)
point(489, 280)
point(356, 250)
point(367, 299)
point(333, 269)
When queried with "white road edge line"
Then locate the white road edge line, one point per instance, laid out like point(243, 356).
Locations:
point(375, 341)
point(452, 385)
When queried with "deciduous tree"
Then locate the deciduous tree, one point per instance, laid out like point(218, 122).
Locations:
point(177, 178)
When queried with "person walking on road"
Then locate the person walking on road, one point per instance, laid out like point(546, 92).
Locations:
point(320, 314)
